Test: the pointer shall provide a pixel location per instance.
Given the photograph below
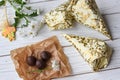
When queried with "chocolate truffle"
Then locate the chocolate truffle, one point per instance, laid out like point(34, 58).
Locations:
point(45, 55)
point(40, 64)
point(31, 60)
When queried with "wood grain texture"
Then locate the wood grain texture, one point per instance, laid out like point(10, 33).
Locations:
point(110, 9)
point(78, 29)
point(105, 75)
point(79, 66)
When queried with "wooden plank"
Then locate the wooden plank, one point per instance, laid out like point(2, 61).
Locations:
point(36, 1)
point(78, 65)
point(33, 2)
point(110, 6)
point(76, 61)
point(81, 70)
point(58, 2)
point(113, 24)
point(112, 20)
point(6, 46)
point(105, 75)
point(9, 76)
point(73, 55)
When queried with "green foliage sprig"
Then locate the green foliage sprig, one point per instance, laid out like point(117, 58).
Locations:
point(19, 6)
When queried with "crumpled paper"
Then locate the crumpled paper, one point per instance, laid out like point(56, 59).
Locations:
point(53, 46)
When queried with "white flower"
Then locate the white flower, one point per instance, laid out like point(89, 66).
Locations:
point(31, 30)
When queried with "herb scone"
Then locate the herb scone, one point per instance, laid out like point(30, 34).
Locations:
point(87, 13)
point(60, 18)
point(96, 52)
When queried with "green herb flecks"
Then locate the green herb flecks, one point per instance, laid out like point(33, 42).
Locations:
point(2, 3)
point(35, 71)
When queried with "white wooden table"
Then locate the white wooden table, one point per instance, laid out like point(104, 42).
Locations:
point(81, 71)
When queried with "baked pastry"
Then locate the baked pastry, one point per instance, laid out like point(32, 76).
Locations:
point(60, 18)
point(87, 13)
point(83, 11)
point(57, 65)
point(96, 52)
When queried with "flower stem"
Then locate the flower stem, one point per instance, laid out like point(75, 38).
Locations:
point(5, 12)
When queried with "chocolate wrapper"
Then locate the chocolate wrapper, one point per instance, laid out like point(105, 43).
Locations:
point(96, 52)
point(60, 18)
point(87, 13)
point(31, 73)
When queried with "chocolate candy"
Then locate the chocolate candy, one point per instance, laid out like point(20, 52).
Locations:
point(31, 60)
point(40, 64)
point(45, 55)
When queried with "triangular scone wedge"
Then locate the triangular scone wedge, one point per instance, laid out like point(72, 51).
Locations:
point(96, 52)
point(87, 13)
point(59, 18)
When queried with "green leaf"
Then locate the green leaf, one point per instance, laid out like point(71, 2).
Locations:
point(19, 15)
point(28, 8)
point(19, 2)
point(17, 20)
point(19, 9)
point(33, 71)
point(27, 21)
point(33, 14)
point(19, 12)
point(2, 3)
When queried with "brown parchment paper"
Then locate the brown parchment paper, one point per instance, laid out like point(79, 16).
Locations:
point(53, 46)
